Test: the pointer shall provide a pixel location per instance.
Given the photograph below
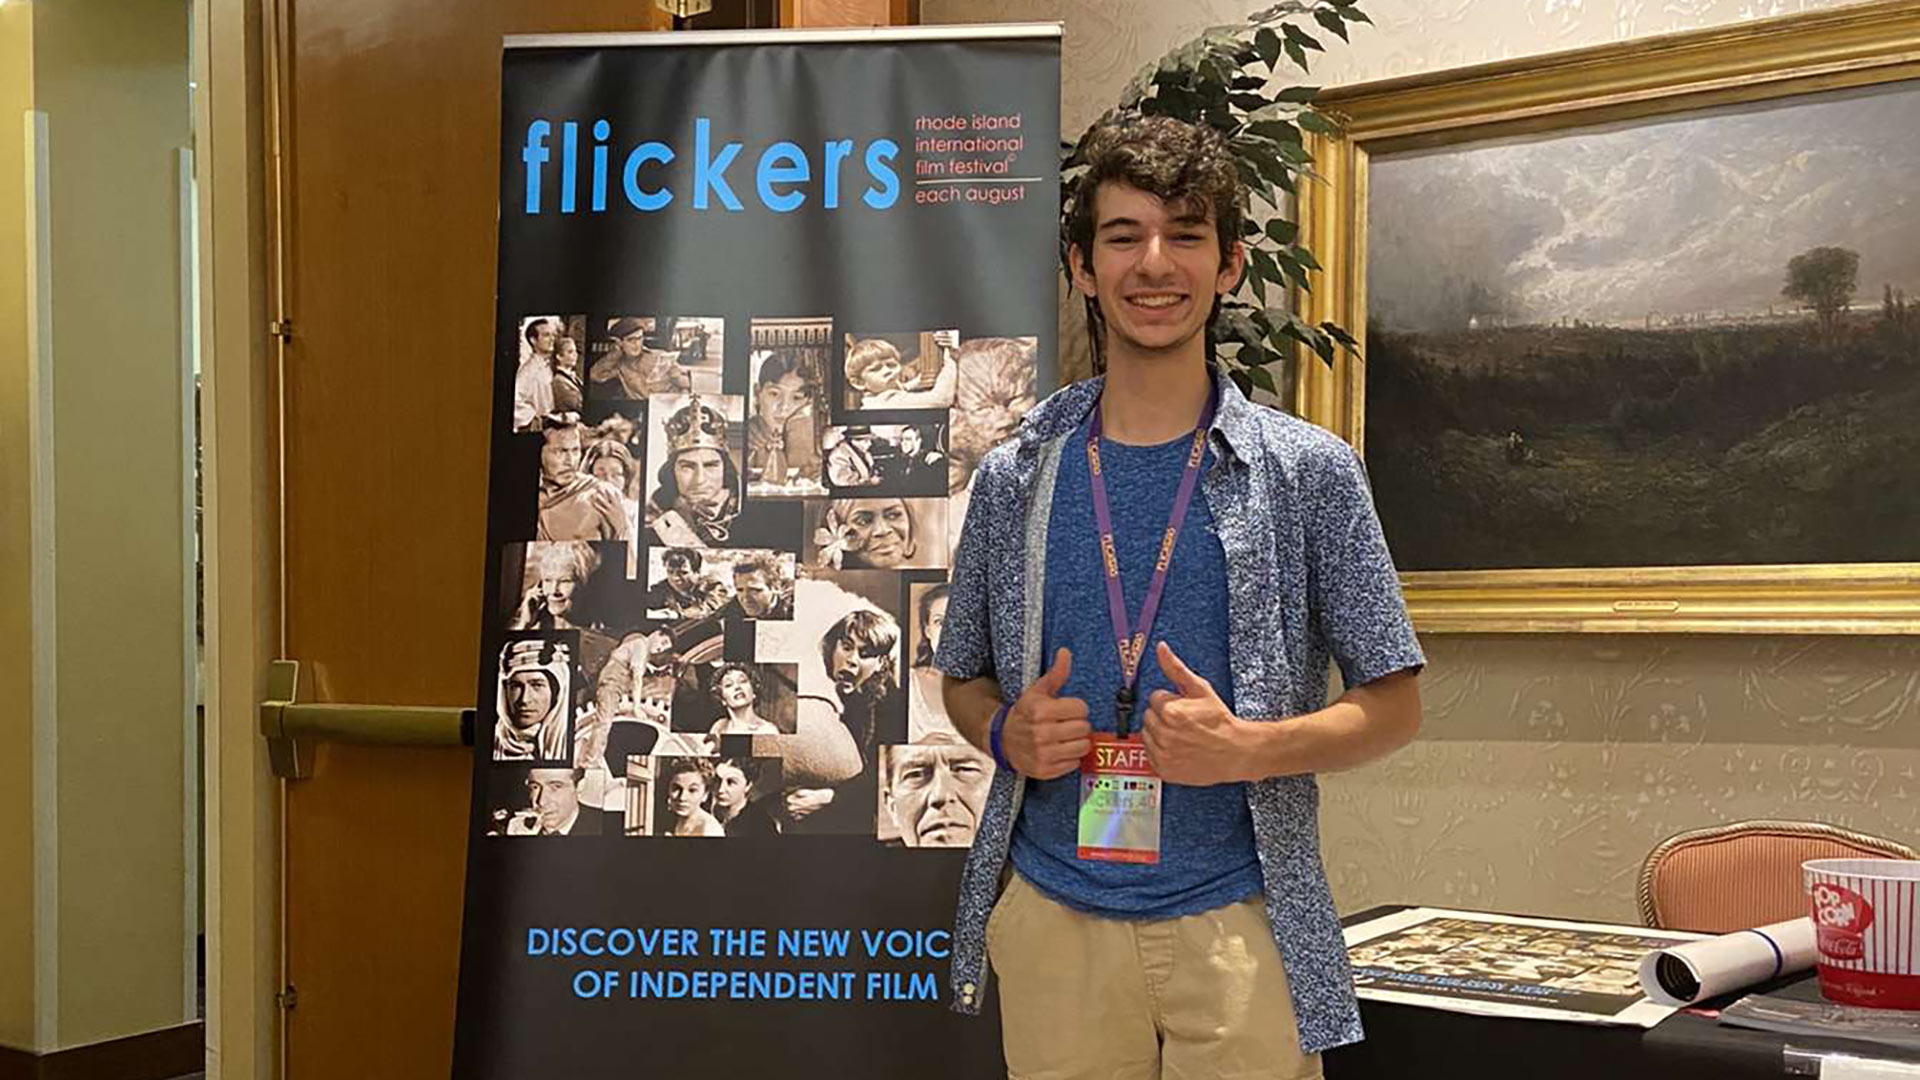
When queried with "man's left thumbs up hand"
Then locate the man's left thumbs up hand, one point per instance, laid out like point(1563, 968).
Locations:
point(1190, 735)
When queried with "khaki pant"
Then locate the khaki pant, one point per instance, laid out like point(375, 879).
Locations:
point(1202, 997)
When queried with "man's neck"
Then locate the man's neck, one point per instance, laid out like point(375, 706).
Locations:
point(1153, 399)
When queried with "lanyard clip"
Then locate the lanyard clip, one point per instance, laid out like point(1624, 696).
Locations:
point(1123, 711)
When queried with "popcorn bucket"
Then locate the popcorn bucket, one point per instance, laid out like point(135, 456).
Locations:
point(1864, 914)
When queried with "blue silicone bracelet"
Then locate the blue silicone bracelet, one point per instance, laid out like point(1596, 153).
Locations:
point(994, 731)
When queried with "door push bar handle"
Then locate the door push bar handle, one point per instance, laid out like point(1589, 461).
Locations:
point(292, 726)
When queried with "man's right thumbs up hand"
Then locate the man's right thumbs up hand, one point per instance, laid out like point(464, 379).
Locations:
point(1046, 735)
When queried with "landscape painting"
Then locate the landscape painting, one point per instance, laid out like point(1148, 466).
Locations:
point(1684, 341)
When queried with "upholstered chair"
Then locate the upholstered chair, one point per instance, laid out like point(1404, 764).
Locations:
point(1730, 877)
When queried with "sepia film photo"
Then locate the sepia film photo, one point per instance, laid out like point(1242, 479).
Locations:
point(641, 357)
point(694, 448)
point(931, 793)
point(672, 795)
point(570, 585)
point(740, 584)
point(539, 801)
point(994, 392)
point(888, 459)
point(614, 437)
point(548, 367)
point(788, 408)
point(887, 532)
point(533, 718)
point(734, 697)
point(898, 371)
point(1501, 965)
point(846, 645)
point(578, 500)
point(927, 719)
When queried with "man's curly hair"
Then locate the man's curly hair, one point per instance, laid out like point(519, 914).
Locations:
point(1187, 165)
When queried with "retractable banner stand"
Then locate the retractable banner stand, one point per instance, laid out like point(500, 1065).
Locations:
point(764, 302)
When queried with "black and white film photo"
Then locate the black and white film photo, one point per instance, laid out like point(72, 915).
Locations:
point(641, 357)
point(789, 409)
point(887, 459)
point(926, 712)
point(693, 473)
point(744, 583)
point(569, 585)
point(574, 504)
point(547, 369)
point(887, 371)
point(931, 793)
point(736, 698)
point(845, 640)
point(534, 699)
point(539, 801)
point(876, 533)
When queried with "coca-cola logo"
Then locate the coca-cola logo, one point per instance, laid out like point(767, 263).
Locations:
point(1840, 916)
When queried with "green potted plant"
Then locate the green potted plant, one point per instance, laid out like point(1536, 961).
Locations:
point(1226, 78)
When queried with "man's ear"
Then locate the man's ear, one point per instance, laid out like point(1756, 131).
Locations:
point(1082, 277)
point(1233, 269)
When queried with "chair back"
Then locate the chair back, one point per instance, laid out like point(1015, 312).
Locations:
point(1731, 877)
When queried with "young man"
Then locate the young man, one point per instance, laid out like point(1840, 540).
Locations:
point(533, 379)
point(760, 589)
point(1167, 910)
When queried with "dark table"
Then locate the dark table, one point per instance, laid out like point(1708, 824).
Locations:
point(1410, 1041)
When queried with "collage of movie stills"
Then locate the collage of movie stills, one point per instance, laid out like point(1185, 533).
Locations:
point(722, 621)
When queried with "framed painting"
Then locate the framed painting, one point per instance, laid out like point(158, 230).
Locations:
point(1639, 329)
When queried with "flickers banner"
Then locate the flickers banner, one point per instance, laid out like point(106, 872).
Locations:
point(764, 301)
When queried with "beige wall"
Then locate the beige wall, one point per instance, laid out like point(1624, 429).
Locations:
point(1549, 765)
point(16, 640)
point(111, 79)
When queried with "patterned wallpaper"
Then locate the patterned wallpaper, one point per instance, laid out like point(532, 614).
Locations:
point(1550, 764)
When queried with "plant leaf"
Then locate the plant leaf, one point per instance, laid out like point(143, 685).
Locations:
point(1277, 130)
point(1268, 43)
point(1301, 37)
point(1295, 54)
point(1334, 331)
point(1282, 231)
point(1331, 21)
point(1315, 122)
point(1298, 95)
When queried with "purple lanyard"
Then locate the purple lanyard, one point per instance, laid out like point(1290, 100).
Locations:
point(1131, 639)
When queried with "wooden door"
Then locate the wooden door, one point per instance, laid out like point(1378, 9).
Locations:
point(392, 122)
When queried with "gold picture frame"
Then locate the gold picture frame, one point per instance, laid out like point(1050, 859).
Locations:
point(1852, 47)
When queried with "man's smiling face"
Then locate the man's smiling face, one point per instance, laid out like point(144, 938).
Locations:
point(1156, 268)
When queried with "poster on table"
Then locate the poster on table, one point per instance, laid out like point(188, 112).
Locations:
point(1508, 965)
point(764, 301)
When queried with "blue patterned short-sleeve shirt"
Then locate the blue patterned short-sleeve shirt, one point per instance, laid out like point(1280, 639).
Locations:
point(1310, 581)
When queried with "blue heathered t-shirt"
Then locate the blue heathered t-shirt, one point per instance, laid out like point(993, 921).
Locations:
point(1207, 857)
